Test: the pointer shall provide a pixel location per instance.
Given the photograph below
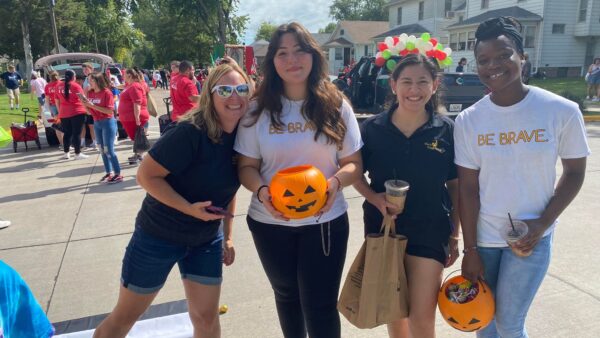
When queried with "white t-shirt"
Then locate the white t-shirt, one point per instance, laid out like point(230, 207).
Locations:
point(38, 86)
point(293, 146)
point(515, 149)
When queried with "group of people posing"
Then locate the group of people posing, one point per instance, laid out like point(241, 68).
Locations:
point(238, 135)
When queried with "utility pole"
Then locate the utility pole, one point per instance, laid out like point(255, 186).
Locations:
point(53, 21)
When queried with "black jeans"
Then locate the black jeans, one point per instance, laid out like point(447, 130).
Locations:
point(72, 127)
point(304, 265)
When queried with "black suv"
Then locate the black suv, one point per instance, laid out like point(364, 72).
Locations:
point(367, 86)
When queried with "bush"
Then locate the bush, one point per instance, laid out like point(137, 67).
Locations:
point(577, 99)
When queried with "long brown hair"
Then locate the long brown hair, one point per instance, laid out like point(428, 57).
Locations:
point(322, 106)
point(205, 117)
point(100, 79)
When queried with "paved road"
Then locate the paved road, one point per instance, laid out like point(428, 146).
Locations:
point(69, 234)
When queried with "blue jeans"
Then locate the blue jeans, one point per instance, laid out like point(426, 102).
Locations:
point(514, 282)
point(105, 137)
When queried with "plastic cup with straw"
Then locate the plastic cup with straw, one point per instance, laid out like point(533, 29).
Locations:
point(513, 232)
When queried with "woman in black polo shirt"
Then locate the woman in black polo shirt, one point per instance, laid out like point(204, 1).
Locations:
point(413, 143)
point(190, 169)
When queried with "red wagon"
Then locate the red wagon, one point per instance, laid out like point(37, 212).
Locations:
point(25, 132)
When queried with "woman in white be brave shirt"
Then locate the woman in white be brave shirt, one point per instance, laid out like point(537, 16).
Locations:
point(300, 118)
point(506, 148)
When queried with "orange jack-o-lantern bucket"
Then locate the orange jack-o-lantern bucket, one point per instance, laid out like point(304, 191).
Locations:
point(298, 192)
point(464, 305)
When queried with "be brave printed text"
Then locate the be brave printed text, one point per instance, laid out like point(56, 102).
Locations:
point(292, 128)
point(512, 137)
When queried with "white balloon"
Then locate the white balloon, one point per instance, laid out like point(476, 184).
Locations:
point(448, 51)
point(378, 55)
point(412, 39)
point(403, 38)
point(389, 41)
point(428, 46)
point(400, 46)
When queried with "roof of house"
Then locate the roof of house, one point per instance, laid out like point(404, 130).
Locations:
point(360, 32)
point(339, 42)
point(514, 11)
point(414, 29)
point(321, 38)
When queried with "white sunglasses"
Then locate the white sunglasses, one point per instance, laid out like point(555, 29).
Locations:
point(226, 91)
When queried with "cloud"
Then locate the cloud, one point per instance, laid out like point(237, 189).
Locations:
point(313, 14)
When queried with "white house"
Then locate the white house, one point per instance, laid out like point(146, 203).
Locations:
point(561, 36)
point(352, 40)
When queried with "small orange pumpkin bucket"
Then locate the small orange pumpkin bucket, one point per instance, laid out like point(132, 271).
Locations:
point(464, 305)
point(298, 192)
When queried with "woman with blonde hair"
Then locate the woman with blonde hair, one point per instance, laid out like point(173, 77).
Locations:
point(191, 181)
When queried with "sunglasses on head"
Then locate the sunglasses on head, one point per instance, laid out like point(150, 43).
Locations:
point(226, 91)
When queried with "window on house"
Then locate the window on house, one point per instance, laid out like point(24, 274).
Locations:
point(421, 9)
point(444, 40)
point(471, 40)
point(485, 4)
point(461, 18)
point(399, 16)
point(583, 5)
point(339, 54)
point(341, 32)
point(558, 28)
point(529, 34)
point(454, 41)
point(462, 41)
point(447, 6)
point(366, 50)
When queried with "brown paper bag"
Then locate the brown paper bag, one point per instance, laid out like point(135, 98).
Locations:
point(375, 291)
point(151, 105)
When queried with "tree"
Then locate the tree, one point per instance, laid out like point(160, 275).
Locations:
point(368, 10)
point(265, 31)
point(328, 29)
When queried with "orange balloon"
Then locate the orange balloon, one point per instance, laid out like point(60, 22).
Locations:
point(298, 192)
point(471, 315)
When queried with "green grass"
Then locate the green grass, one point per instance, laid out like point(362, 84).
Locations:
point(575, 85)
point(8, 116)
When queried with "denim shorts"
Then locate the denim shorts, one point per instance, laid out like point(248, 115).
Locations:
point(148, 261)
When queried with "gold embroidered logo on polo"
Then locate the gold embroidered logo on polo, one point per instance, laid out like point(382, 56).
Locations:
point(434, 146)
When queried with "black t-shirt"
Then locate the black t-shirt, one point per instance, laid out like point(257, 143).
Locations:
point(199, 170)
point(425, 160)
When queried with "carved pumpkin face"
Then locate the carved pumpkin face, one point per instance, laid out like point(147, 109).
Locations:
point(298, 192)
point(471, 315)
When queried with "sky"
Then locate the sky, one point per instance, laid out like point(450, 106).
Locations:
point(313, 14)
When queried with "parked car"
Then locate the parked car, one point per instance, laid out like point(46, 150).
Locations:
point(367, 87)
point(73, 61)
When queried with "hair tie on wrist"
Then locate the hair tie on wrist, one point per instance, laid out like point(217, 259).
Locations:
point(340, 186)
point(469, 249)
point(258, 192)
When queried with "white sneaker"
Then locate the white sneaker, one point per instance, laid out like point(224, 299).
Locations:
point(81, 156)
point(4, 224)
point(66, 156)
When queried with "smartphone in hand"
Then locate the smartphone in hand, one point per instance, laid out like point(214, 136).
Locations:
point(218, 211)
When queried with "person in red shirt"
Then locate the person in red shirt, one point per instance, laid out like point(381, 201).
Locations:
point(186, 94)
point(71, 112)
point(50, 92)
point(133, 111)
point(101, 104)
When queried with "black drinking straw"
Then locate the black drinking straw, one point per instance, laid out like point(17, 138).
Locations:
point(395, 177)
point(511, 222)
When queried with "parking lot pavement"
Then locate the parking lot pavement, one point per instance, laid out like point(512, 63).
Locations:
point(69, 234)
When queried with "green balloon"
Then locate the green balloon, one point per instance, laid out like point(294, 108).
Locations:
point(390, 64)
point(439, 46)
point(425, 37)
point(410, 45)
point(386, 54)
point(449, 60)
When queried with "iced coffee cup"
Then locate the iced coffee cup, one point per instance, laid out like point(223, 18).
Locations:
point(514, 235)
point(395, 193)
